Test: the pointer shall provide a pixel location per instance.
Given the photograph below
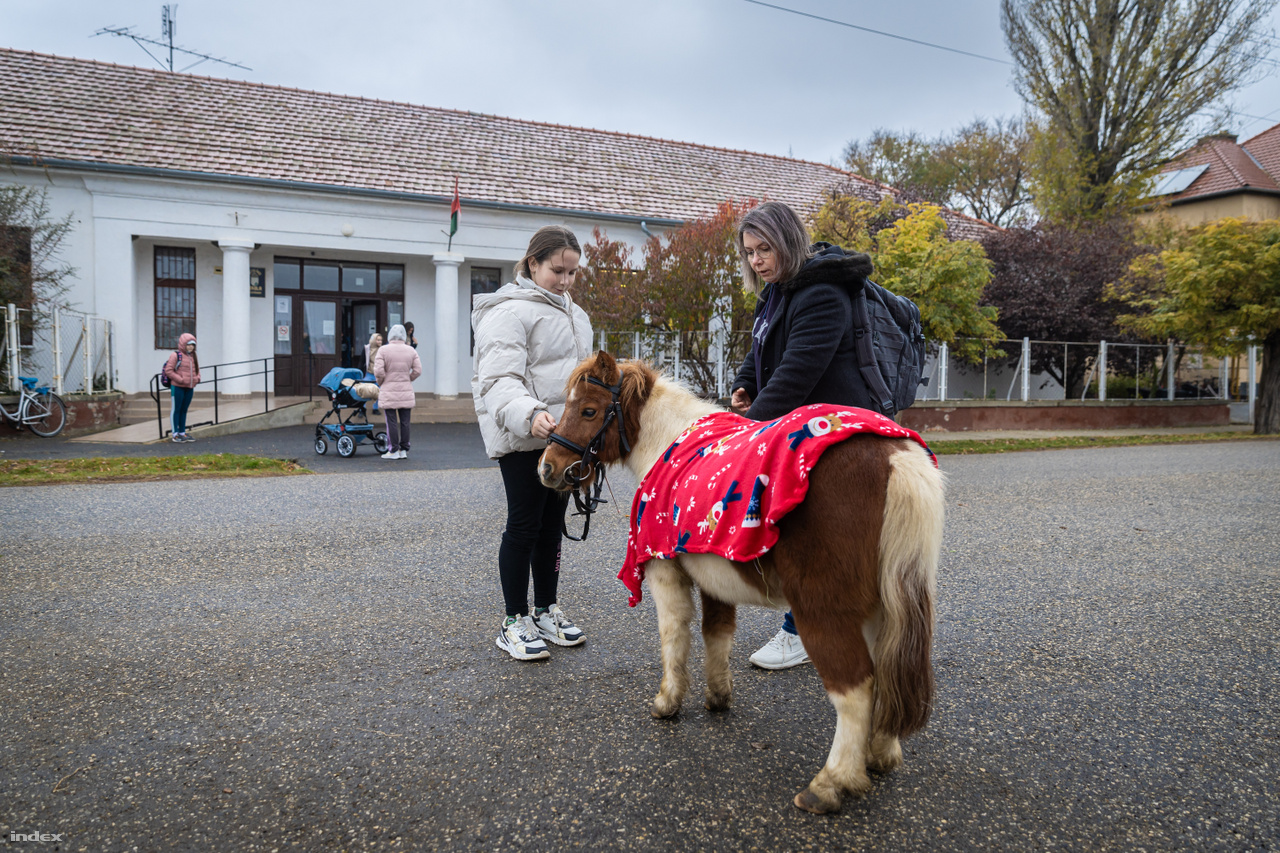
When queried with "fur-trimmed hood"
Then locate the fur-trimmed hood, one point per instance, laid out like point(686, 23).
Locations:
point(832, 265)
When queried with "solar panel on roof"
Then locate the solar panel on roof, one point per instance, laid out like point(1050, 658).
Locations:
point(1169, 183)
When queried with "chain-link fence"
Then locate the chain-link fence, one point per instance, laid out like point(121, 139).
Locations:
point(1103, 370)
point(69, 350)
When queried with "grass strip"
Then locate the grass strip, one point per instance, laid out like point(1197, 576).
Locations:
point(963, 447)
point(48, 472)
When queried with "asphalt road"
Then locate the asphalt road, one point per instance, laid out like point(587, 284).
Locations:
point(308, 663)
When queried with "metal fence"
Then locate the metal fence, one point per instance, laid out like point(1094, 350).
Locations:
point(1025, 369)
point(1030, 370)
point(707, 361)
point(70, 350)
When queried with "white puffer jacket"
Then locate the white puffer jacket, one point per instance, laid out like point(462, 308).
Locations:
point(527, 344)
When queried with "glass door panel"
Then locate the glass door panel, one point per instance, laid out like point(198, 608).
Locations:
point(319, 328)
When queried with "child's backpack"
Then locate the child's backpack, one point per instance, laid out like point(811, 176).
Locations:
point(890, 344)
point(164, 377)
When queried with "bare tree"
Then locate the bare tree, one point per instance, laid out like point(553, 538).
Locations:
point(1119, 85)
point(988, 162)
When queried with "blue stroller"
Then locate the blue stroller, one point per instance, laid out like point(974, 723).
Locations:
point(343, 433)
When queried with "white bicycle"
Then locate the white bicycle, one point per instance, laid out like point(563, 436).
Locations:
point(39, 409)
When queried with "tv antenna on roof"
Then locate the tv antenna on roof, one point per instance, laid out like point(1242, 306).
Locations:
point(168, 23)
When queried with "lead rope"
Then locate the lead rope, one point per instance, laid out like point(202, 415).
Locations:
point(767, 596)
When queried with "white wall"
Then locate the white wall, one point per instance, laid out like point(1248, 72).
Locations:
point(119, 220)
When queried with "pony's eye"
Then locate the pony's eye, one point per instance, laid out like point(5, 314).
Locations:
point(588, 413)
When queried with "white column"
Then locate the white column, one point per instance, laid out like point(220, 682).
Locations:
point(235, 318)
point(447, 264)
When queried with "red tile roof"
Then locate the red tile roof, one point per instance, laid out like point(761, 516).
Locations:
point(84, 111)
point(1232, 166)
point(1265, 148)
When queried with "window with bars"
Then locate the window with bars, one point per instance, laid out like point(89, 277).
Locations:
point(175, 295)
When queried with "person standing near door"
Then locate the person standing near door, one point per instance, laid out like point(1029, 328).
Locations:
point(529, 337)
point(395, 367)
point(183, 372)
point(370, 353)
point(411, 340)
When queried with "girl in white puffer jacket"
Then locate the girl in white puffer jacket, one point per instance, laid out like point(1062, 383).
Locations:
point(529, 337)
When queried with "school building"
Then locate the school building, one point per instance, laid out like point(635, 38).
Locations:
point(276, 222)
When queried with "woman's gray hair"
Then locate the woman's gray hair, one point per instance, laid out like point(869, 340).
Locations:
point(784, 231)
point(397, 333)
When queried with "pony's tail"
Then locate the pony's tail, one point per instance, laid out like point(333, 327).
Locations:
point(910, 543)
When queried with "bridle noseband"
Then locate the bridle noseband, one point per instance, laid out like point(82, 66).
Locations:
point(588, 503)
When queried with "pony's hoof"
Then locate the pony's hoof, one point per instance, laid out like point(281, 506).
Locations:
point(663, 709)
point(719, 702)
point(812, 803)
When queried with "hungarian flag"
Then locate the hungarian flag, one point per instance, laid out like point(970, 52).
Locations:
point(453, 210)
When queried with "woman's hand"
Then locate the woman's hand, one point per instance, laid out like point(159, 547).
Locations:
point(740, 401)
point(543, 425)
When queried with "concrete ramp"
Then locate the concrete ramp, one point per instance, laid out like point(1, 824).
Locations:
point(236, 418)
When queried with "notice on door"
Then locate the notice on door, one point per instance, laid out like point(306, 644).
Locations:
point(282, 333)
point(328, 327)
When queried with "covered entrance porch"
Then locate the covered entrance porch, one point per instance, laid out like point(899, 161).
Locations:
point(325, 313)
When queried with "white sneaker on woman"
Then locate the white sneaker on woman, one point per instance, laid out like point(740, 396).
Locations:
point(391, 454)
point(552, 624)
point(782, 652)
point(403, 454)
point(520, 639)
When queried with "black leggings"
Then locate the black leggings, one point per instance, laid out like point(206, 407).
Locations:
point(531, 542)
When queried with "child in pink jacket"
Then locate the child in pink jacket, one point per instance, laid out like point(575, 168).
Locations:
point(183, 371)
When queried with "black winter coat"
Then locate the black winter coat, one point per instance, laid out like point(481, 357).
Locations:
point(808, 354)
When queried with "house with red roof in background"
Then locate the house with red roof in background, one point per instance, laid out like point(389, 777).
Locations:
point(288, 225)
point(1221, 177)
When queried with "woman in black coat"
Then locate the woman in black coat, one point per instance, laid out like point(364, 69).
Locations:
point(802, 341)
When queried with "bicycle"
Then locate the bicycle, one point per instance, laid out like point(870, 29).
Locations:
point(38, 409)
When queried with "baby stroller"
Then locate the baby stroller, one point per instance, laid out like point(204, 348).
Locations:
point(343, 385)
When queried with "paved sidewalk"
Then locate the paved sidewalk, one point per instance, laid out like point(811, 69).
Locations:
point(989, 435)
point(432, 447)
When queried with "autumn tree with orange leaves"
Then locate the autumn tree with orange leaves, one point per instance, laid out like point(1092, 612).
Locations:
point(690, 283)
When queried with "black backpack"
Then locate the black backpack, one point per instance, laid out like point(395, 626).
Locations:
point(889, 341)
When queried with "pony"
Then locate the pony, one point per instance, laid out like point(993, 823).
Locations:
point(856, 563)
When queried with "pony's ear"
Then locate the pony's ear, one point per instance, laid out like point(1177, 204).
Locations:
point(606, 367)
point(637, 383)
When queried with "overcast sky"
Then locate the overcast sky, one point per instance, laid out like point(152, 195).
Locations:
point(716, 72)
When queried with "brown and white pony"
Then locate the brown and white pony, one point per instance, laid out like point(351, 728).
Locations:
point(856, 563)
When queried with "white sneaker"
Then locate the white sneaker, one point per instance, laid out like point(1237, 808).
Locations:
point(390, 455)
point(520, 639)
point(403, 454)
point(782, 652)
point(552, 624)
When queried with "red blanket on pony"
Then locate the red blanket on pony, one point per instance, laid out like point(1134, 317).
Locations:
point(724, 484)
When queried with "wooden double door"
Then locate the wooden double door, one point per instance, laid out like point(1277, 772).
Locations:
point(316, 333)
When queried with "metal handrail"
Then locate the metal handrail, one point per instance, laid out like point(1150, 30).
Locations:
point(267, 371)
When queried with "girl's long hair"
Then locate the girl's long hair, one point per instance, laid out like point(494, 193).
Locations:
point(546, 242)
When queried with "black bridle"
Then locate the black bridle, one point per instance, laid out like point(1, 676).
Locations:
point(587, 503)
